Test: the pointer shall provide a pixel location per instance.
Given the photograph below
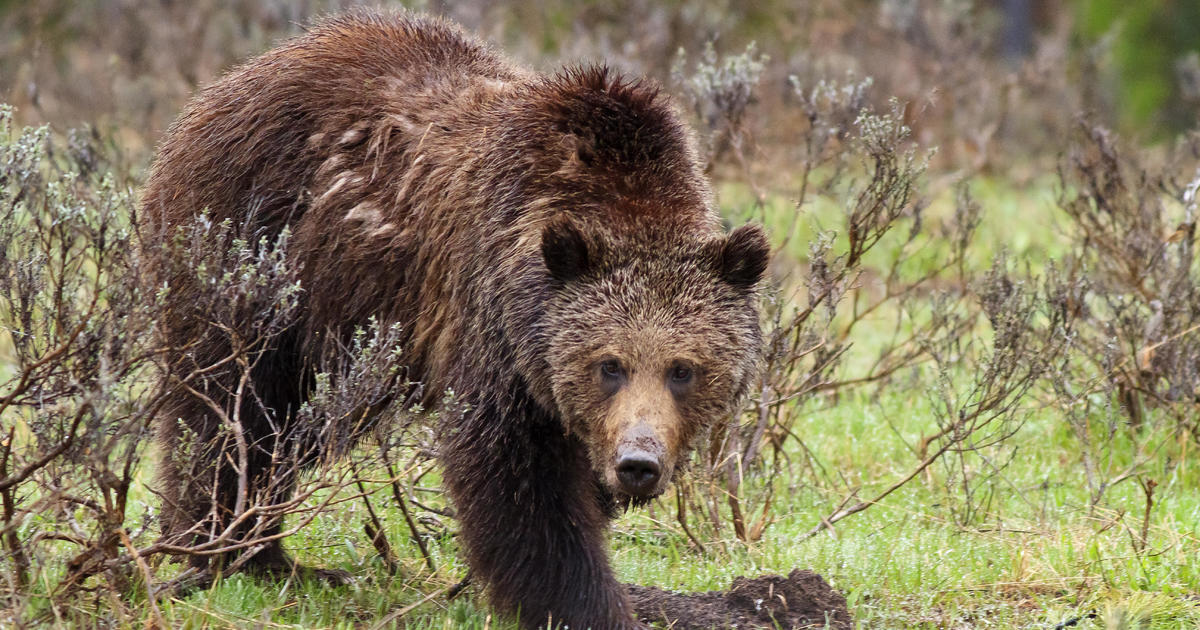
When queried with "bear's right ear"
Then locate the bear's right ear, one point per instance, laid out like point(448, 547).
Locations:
point(565, 250)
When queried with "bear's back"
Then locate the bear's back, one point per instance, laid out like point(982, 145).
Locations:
point(248, 146)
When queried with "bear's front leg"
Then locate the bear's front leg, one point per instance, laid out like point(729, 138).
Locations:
point(531, 520)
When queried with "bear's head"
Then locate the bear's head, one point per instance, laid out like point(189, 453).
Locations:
point(651, 341)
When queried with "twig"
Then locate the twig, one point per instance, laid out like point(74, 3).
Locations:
point(457, 589)
point(390, 617)
point(374, 528)
point(7, 482)
point(11, 539)
point(841, 513)
point(1147, 487)
point(412, 525)
point(147, 577)
point(681, 516)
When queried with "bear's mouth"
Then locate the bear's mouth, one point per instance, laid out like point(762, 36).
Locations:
point(624, 500)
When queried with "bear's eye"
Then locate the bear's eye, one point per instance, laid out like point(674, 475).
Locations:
point(610, 368)
point(681, 374)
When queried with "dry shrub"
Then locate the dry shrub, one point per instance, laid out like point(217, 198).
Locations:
point(89, 377)
point(980, 375)
point(978, 414)
point(807, 333)
point(76, 408)
point(721, 91)
point(1135, 230)
point(1133, 282)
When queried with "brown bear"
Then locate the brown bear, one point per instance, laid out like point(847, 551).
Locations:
point(548, 245)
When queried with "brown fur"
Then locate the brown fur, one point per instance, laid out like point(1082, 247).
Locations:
point(523, 229)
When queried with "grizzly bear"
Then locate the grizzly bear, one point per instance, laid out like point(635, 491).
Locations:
point(548, 246)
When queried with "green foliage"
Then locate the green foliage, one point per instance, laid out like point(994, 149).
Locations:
point(1147, 41)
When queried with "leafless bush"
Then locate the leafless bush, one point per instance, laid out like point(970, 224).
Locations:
point(77, 407)
point(807, 334)
point(239, 301)
point(1134, 231)
point(90, 376)
point(1131, 280)
point(1030, 331)
point(721, 90)
point(867, 162)
point(978, 413)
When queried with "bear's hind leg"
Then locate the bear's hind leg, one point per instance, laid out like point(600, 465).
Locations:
point(210, 478)
point(279, 452)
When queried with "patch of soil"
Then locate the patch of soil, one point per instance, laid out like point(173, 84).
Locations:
point(803, 599)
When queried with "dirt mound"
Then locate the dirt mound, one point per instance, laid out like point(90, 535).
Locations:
point(803, 599)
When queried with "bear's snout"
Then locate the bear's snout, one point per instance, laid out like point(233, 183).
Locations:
point(638, 472)
point(639, 463)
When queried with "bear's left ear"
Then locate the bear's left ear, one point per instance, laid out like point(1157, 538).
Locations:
point(565, 250)
point(743, 256)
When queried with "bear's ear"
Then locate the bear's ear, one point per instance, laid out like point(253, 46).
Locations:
point(565, 250)
point(743, 256)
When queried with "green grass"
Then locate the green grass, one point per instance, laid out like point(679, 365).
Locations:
point(1042, 555)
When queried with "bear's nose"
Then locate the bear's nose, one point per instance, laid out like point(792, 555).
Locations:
point(638, 472)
